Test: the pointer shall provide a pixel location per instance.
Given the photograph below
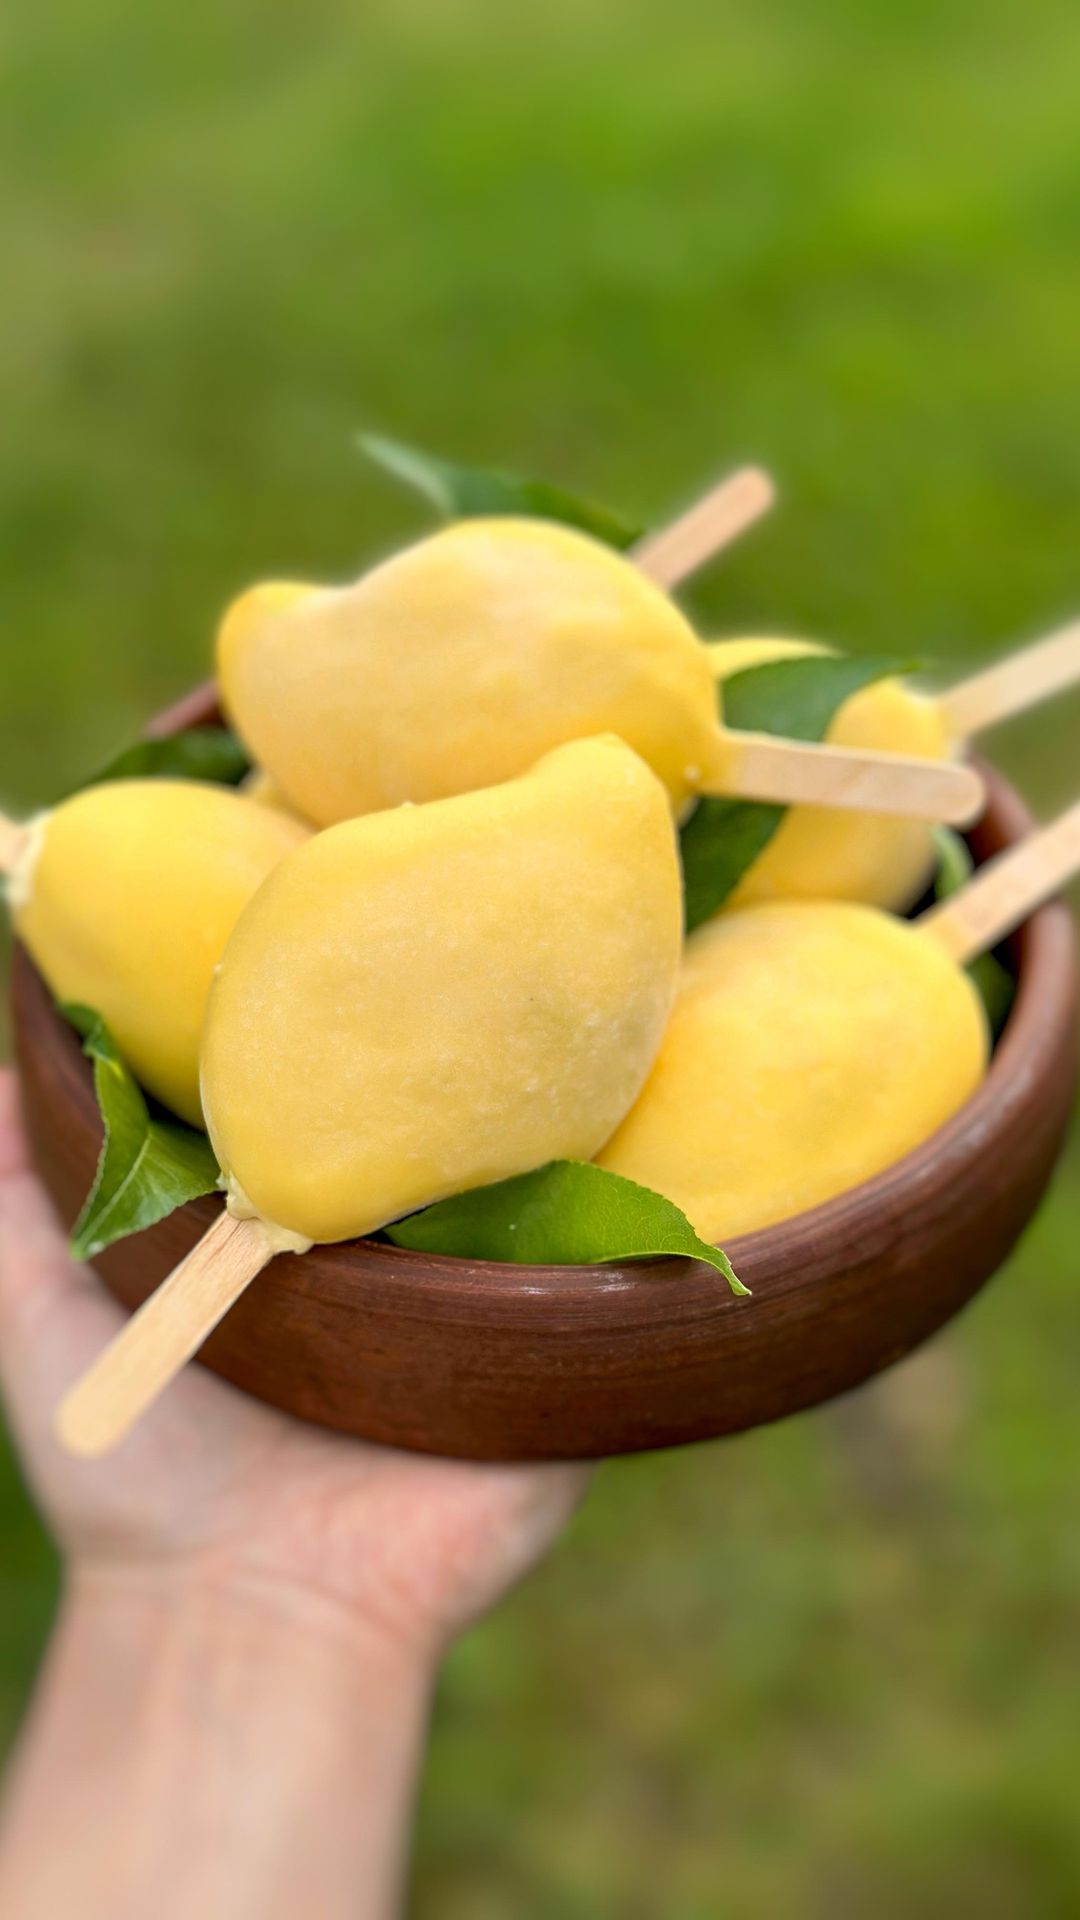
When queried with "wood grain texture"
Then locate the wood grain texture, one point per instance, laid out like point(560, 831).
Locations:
point(494, 1362)
point(755, 766)
point(1007, 889)
point(706, 528)
point(1013, 685)
point(166, 1332)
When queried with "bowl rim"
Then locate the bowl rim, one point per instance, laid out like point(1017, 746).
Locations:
point(1043, 951)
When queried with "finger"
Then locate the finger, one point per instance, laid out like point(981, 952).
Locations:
point(56, 1318)
point(53, 1314)
point(13, 1150)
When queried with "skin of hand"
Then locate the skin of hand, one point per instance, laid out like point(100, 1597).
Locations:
point(232, 1709)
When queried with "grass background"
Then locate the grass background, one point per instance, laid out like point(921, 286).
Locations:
point(831, 1668)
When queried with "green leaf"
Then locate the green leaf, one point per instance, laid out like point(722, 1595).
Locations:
point(720, 842)
point(202, 753)
point(798, 699)
point(461, 493)
point(955, 864)
point(993, 981)
point(148, 1166)
point(568, 1213)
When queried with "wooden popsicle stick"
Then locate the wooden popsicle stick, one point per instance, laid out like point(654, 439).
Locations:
point(1013, 685)
point(1006, 890)
point(755, 766)
point(161, 1337)
point(711, 524)
point(12, 842)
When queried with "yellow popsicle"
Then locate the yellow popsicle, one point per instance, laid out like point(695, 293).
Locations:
point(812, 1045)
point(458, 663)
point(125, 896)
point(433, 998)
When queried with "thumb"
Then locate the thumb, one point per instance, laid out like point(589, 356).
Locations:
point(54, 1315)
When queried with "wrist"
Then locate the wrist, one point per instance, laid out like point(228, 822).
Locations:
point(210, 1742)
point(220, 1611)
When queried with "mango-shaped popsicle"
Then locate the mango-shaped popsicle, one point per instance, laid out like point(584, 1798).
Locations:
point(125, 896)
point(812, 1044)
point(429, 999)
point(819, 853)
point(459, 662)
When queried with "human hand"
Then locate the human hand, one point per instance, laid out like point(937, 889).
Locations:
point(214, 1486)
point(233, 1706)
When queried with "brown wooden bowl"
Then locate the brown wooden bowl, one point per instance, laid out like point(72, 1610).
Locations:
point(493, 1362)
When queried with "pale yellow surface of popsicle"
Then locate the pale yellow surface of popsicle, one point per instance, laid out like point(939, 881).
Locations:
point(459, 662)
point(456, 664)
point(259, 786)
point(433, 998)
point(126, 895)
point(812, 1045)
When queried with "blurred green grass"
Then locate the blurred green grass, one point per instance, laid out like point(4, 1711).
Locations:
point(830, 1668)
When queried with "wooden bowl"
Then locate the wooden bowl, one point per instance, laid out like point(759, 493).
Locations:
point(492, 1362)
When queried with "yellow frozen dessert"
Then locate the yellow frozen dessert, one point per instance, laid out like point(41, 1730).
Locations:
point(812, 1044)
point(433, 998)
point(459, 662)
point(125, 896)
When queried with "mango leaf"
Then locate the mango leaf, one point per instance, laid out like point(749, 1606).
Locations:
point(566, 1214)
point(955, 864)
point(797, 698)
point(148, 1166)
point(460, 493)
point(202, 753)
point(993, 981)
point(720, 842)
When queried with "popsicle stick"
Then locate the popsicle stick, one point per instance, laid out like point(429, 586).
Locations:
point(161, 1338)
point(1013, 685)
point(1006, 890)
point(755, 766)
point(711, 524)
point(12, 842)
